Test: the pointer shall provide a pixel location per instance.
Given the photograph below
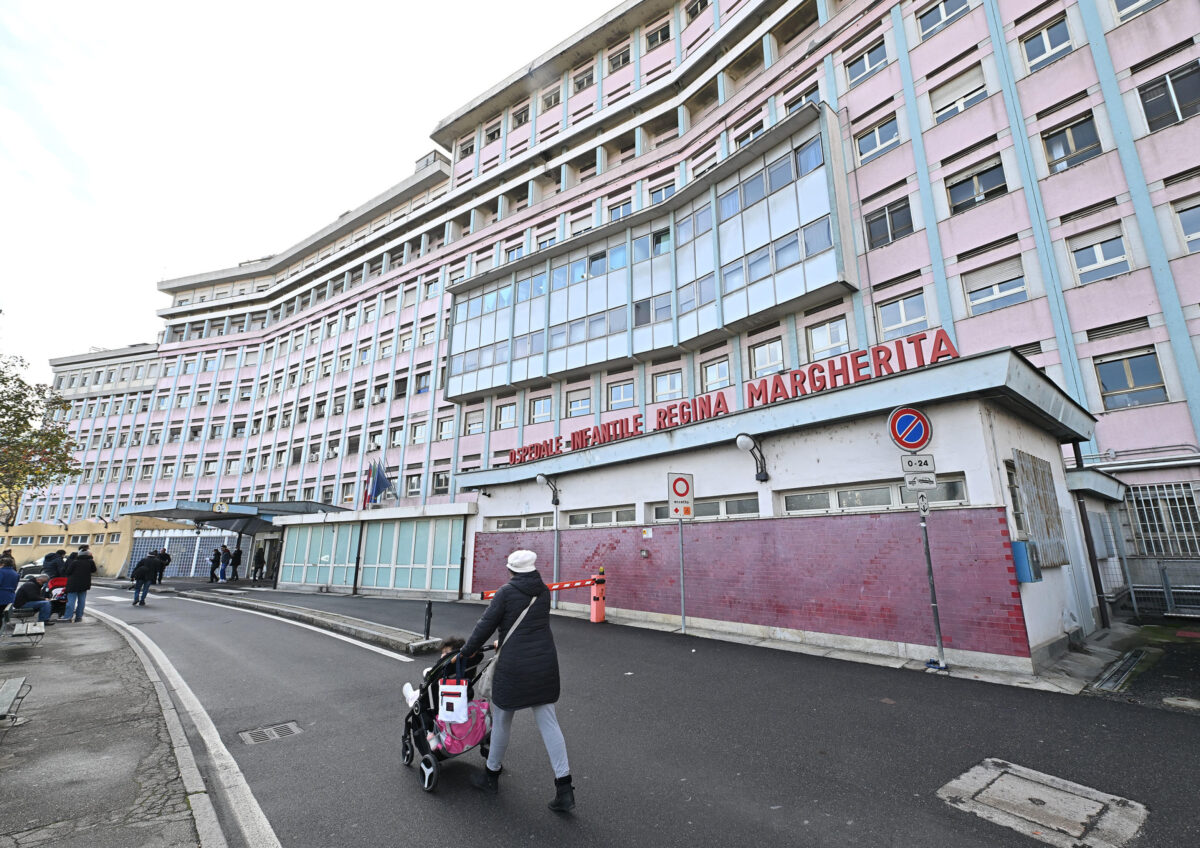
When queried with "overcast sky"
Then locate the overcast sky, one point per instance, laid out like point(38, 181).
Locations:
point(142, 141)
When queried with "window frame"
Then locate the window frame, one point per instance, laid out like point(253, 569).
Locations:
point(992, 302)
point(888, 214)
point(665, 387)
point(945, 19)
point(1052, 53)
point(1125, 357)
point(817, 353)
point(773, 365)
point(1056, 165)
point(724, 381)
point(1167, 81)
point(881, 145)
point(869, 70)
point(907, 327)
point(1191, 238)
point(1103, 263)
point(622, 402)
point(657, 34)
point(577, 403)
point(896, 496)
point(974, 176)
point(659, 513)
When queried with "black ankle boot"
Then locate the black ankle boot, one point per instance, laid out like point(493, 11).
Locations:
point(564, 795)
point(487, 780)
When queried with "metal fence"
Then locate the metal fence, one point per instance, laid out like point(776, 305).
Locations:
point(1161, 523)
point(183, 551)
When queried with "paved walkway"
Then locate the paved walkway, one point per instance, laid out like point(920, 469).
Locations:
point(93, 765)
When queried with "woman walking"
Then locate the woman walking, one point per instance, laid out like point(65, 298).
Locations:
point(526, 673)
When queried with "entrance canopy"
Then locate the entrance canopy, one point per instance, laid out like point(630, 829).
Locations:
point(249, 518)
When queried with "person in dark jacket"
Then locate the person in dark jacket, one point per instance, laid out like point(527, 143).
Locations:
point(226, 558)
point(215, 562)
point(164, 559)
point(235, 562)
point(10, 578)
point(260, 564)
point(79, 580)
point(143, 576)
point(54, 564)
point(526, 673)
point(29, 596)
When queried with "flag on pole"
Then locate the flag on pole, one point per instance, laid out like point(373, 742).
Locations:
point(375, 484)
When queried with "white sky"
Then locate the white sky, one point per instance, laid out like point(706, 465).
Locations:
point(141, 142)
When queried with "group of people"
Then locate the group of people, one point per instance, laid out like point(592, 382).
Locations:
point(225, 564)
point(33, 592)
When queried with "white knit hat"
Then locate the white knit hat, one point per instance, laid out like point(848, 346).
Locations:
point(520, 562)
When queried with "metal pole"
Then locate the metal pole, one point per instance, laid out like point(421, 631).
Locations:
point(554, 597)
point(428, 617)
point(362, 531)
point(682, 607)
point(937, 622)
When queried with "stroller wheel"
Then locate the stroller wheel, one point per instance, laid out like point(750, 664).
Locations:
point(429, 772)
point(406, 750)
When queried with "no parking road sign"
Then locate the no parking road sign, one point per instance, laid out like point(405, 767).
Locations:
point(679, 496)
point(909, 428)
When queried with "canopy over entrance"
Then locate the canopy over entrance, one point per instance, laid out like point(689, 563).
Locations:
point(249, 518)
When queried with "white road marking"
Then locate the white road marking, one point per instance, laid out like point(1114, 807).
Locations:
point(250, 819)
point(1043, 807)
point(384, 651)
point(110, 598)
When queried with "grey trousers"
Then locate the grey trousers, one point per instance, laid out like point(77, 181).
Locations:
point(547, 722)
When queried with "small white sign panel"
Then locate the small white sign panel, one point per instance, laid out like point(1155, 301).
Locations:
point(923, 503)
point(679, 496)
point(647, 532)
point(220, 506)
point(920, 482)
point(912, 463)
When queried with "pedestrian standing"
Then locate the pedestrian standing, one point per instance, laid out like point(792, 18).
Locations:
point(226, 558)
point(526, 674)
point(235, 562)
point(143, 576)
point(260, 563)
point(164, 559)
point(10, 578)
point(53, 564)
point(79, 580)
point(215, 562)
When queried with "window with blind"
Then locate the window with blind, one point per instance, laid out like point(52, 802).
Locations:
point(995, 286)
point(1069, 145)
point(958, 95)
point(981, 183)
point(1099, 254)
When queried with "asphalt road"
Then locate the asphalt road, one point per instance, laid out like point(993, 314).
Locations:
point(674, 740)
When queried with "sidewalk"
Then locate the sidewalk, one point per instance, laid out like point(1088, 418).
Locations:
point(93, 766)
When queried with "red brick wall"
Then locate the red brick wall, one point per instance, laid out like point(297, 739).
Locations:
point(853, 575)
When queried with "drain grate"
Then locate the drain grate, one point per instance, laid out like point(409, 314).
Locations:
point(1118, 674)
point(266, 734)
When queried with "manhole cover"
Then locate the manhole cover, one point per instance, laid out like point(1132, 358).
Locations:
point(266, 734)
point(1047, 808)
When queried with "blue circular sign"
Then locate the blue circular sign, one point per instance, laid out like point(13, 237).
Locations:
point(909, 428)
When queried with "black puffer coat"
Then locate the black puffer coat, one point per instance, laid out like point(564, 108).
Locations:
point(527, 674)
point(79, 572)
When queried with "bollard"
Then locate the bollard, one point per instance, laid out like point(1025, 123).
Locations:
point(597, 616)
point(428, 617)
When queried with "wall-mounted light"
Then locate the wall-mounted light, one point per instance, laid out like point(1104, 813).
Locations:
point(548, 481)
point(747, 443)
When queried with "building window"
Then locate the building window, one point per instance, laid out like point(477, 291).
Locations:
point(866, 63)
point(412, 486)
point(715, 510)
point(520, 117)
point(715, 374)
point(1171, 98)
point(540, 410)
point(694, 8)
point(766, 358)
point(939, 15)
point(1127, 9)
point(618, 60)
point(818, 237)
point(584, 80)
point(996, 286)
point(982, 183)
point(903, 316)
point(1099, 254)
point(828, 339)
point(441, 483)
point(417, 433)
point(505, 417)
point(466, 149)
point(958, 95)
point(620, 395)
point(528, 522)
point(1047, 44)
point(877, 139)
point(551, 98)
point(602, 517)
point(616, 213)
point(473, 422)
point(810, 96)
point(659, 36)
point(873, 496)
point(1077, 142)
point(658, 195)
point(1130, 379)
point(888, 224)
point(491, 134)
point(1189, 223)
point(668, 386)
point(579, 402)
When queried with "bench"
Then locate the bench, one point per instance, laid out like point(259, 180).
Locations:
point(12, 693)
point(23, 626)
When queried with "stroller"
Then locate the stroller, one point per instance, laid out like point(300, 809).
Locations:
point(425, 735)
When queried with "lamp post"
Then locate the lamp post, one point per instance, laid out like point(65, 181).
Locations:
point(748, 443)
point(548, 481)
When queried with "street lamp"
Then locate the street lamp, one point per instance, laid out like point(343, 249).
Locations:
point(747, 443)
point(547, 481)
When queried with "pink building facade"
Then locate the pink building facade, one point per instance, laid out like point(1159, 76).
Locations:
point(687, 198)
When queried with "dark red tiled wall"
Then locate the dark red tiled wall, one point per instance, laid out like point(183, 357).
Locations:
point(853, 575)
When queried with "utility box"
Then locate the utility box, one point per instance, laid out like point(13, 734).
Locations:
point(1025, 560)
